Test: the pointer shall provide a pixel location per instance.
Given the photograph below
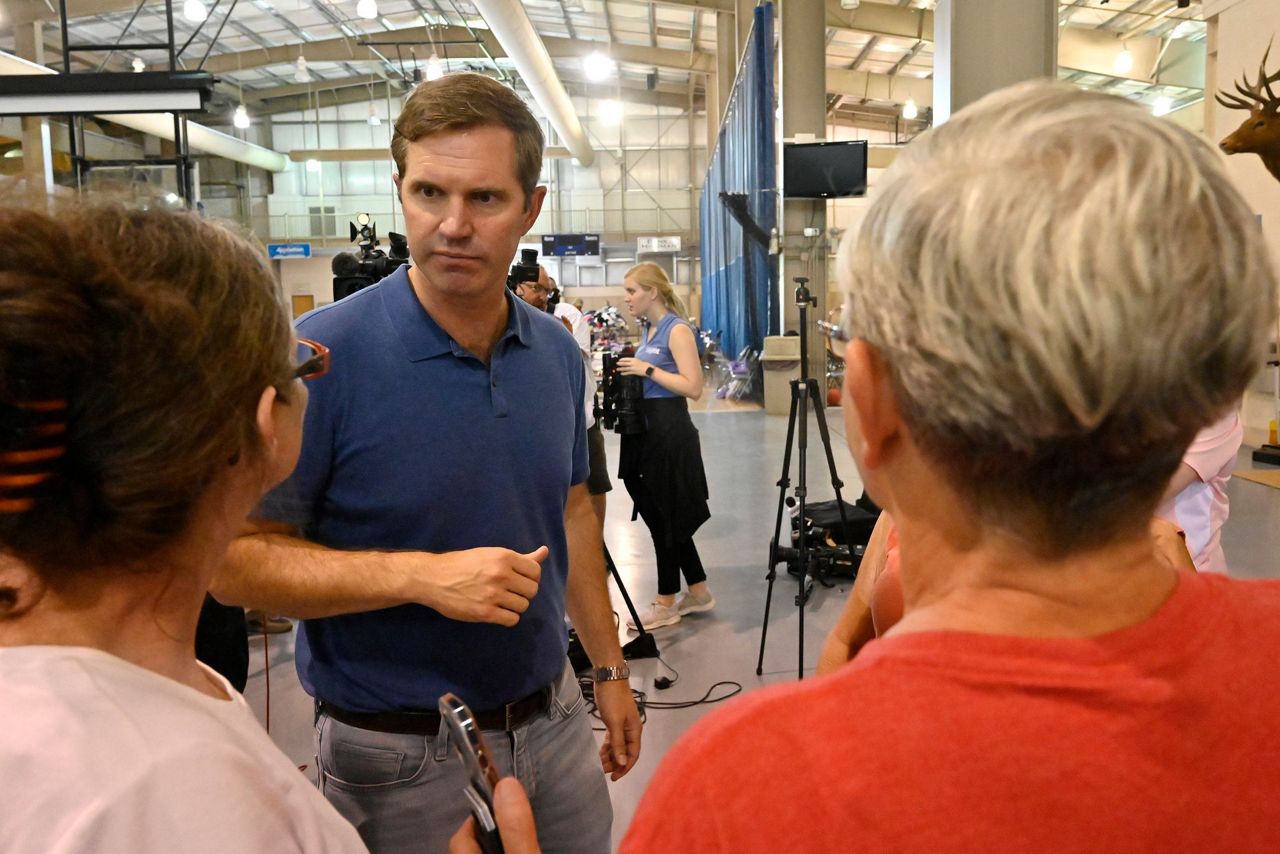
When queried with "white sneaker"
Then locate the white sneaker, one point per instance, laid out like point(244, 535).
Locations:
point(656, 617)
point(690, 604)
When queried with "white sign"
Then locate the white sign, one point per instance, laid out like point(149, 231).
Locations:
point(657, 244)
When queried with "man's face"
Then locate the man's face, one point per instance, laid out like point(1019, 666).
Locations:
point(464, 209)
point(536, 293)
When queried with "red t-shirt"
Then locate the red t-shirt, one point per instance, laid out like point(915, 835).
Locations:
point(1164, 737)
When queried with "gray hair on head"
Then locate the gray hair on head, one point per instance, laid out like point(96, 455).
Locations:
point(1066, 289)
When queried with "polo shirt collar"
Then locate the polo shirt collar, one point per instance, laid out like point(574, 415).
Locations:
point(418, 331)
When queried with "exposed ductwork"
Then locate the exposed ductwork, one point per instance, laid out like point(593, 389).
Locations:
point(510, 23)
point(199, 137)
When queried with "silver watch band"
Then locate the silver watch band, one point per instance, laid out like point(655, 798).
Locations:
point(612, 674)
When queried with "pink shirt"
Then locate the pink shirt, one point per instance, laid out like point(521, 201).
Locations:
point(1202, 508)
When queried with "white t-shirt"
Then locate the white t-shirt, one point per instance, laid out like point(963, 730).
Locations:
point(581, 330)
point(581, 334)
point(99, 755)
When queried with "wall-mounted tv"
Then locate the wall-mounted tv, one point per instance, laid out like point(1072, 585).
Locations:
point(569, 245)
point(824, 170)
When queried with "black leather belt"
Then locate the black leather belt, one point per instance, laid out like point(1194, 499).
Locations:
point(509, 717)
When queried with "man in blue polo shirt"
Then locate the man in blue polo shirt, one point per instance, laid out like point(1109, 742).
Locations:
point(438, 525)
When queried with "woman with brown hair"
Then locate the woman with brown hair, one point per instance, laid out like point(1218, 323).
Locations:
point(149, 395)
point(662, 467)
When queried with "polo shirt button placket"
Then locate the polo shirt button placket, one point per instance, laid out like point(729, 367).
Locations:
point(499, 403)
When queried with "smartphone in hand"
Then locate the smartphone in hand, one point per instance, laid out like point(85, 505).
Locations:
point(482, 773)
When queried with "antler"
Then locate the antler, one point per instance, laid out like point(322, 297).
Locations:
point(1253, 92)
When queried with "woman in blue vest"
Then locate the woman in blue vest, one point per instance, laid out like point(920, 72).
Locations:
point(662, 467)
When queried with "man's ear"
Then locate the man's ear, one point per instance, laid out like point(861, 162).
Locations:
point(395, 177)
point(872, 395)
point(266, 419)
point(536, 199)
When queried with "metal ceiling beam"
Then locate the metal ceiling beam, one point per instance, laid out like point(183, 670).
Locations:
point(906, 58)
point(874, 18)
point(568, 24)
point(631, 94)
point(1094, 52)
point(342, 49)
point(864, 53)
point(860, 85)
point(266, 95)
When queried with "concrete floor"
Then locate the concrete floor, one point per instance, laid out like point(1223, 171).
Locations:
point(743, 456)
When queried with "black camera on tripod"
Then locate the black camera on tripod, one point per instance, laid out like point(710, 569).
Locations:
point(619, 406)
point(352, 273)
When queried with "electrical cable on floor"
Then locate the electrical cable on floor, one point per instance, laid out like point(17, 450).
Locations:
point(587, 684)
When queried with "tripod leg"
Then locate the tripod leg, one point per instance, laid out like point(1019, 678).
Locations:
point(626, 597)
point(783, 483)
point(644, 645)
point(764, 627)
point(802, 494)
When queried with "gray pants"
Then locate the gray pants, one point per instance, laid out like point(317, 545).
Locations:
point(403, 793)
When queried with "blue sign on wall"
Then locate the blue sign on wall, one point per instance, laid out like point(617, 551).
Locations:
point(288, 250)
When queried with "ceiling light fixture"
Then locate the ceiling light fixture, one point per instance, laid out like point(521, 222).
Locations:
point(241, 117)
point(611, 112)
point(300, 74)
point(374, 121)
point(598, 67)
point(138, 65)
point(313, 165)
point(367, 9)
point(194, 11)
point(909, 109)
point(435, 68)
point(1124, 61)
point(1163, 106)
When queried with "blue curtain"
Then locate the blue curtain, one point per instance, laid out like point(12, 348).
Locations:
point(737, 299)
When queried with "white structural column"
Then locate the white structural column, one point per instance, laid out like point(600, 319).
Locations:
point(37, 145)
point(984, 45)
point(802, 68)
point(720, 86)
point(744, 15)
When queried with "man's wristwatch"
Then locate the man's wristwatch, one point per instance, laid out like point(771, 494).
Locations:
point(612, 674)
point(648, 372)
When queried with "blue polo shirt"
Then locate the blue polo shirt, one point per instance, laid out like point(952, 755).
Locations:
point(410, 442)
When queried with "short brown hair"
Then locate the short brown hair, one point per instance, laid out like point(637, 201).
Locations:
point(134, 346)
point(468, 100)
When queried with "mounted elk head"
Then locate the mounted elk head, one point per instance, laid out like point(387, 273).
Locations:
point(1260, 133)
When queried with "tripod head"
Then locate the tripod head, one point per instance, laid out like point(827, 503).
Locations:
point(804, 298)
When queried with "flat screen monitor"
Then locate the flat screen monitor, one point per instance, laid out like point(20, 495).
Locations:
point(569, 245)
point(824, 170)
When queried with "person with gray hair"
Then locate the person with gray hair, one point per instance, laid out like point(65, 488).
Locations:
point(1051, 294)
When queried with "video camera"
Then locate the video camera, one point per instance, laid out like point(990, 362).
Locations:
point(524, 270)
point(352, 273)
point(619, 409)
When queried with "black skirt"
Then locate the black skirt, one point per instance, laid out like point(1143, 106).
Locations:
point(666, 462)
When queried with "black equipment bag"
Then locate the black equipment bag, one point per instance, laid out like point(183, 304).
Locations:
point(824, 522)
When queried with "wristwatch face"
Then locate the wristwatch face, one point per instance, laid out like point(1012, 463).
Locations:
point(648, 372)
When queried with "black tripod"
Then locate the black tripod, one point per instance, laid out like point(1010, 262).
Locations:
point(803, 392)
point(643, 646)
